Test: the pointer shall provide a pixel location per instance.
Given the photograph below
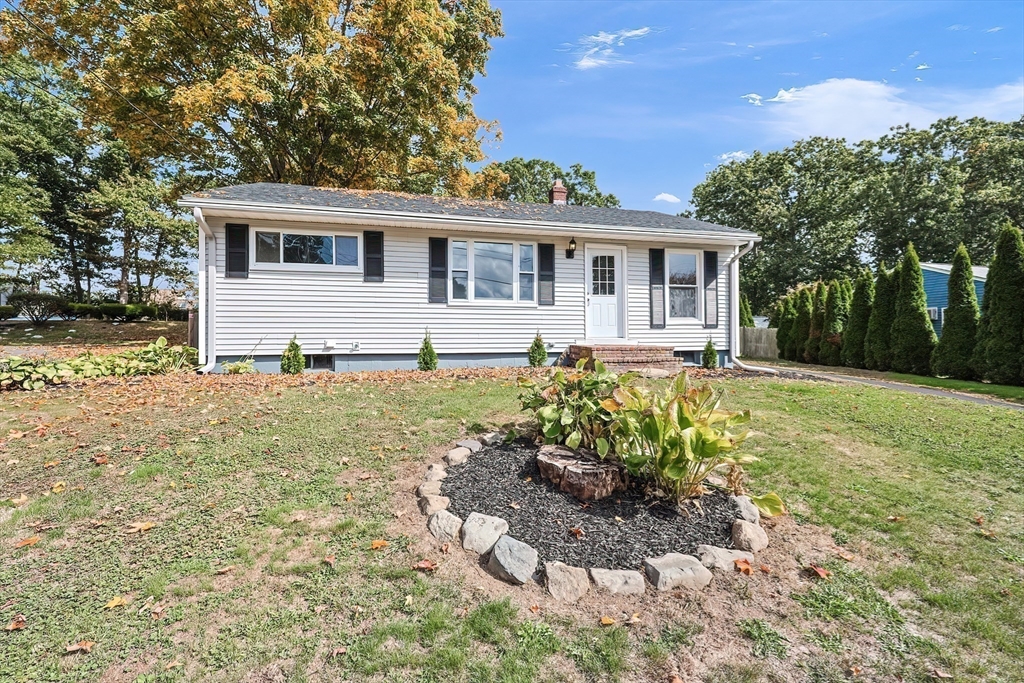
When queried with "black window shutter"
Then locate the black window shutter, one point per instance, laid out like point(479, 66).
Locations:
point(437, 289)
point(373, 256)
point(710, 289)
point(237, 254)
point(546, 274)
point(657, 289)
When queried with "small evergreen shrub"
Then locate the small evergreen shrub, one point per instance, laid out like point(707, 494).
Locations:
point(427, 358)
point(36, 306)
point(538, 353)
point(7, 312)
point(1004, 293)
point(786, 322)
point(812, 347)
point(292, 360)
point(852, 353)
point(801, 325)
point(952, 357)
point(709, 357)
point(913, 337)
point(746, 315)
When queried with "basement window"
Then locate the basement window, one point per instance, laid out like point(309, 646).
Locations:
point(319, 361)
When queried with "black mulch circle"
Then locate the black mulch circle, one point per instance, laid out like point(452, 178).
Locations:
point(504, 481)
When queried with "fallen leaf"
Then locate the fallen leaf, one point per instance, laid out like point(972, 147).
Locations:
point(528, 479)
point(15, 434)
point(634, 620)
point(17, 624)
point(607, 621)
point(514, 505)
point(139, 527)
point(329, 560)
point(856, 671)
point(577, 532)
point(173, 665)
point(425, 565)
point(349, 497)
point(939, 673)
point(157, 611)
point(445, 548)
point(408, 601)
point(225, 570)
point(378, 544)
point(821, 572)
point(100, 460)
point(743, 566)
point(896, 518)
point(535, 608)
point(979, 520)
point(59, 487)
point(81, 646)
point(115, 602)
point(988, 533)
point(20, 500)
point(27, 542)
point(766, 569)
point(339, 651)
point(51, 464)
point(844, 555)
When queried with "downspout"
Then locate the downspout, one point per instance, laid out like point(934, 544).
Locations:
point(207, 294)
point(734, 312)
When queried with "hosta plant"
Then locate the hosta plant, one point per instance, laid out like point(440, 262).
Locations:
point(574, 408)
point(676, 439)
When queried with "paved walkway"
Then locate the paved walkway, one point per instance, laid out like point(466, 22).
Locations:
point(899, 386)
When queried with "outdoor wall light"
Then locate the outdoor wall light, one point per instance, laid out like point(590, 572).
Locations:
point(571, 251)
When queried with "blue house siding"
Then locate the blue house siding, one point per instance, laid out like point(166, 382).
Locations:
point(936, 290)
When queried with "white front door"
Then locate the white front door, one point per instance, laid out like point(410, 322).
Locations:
point(604, 292)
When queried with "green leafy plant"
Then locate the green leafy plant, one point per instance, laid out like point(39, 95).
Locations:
point(36, 306)
point(7, 312)
point(427, 358)
point(538, 353)
point(244, 366)
point(709, 356)
point(677, 439)
point(292, 360)
point(576, 409)
point(770, 504)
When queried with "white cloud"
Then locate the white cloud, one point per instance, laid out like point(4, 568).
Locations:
point(666, 197)
point(957, 27)
point(600, 49)
point(738, 155)
point(858, 109)
point(913, 54)
point(922, 66)
point(994, 29)
point(753, 98)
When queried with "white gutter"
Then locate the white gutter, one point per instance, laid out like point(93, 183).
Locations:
point(207, 294)
point(734, 312)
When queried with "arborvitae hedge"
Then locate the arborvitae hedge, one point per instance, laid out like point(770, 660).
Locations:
point(852, 354)
point(813, 344)
point(832, 327)
point(803, 302)
point(981, 339)
point(913, 337)
point(877, 354)
point(1004, 299)
point(746, 316)
point(292, 360)
point(952, 357)
point(786, 321)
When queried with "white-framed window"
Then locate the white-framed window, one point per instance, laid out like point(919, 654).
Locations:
point(493, 271)
point(683, 283)
point(283, 249)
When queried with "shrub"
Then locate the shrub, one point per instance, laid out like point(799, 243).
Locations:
point(292, 360)
point(952, 356)
point(114, 311)
point(801, 325)
point(877, 350)
point(133, 311)
point(244, 366)
point(427, 358)
point(148, 311)
point(786, 322)
point(913, 337)
point(36, 306)
point(1005, 324)
point(709, 356)
point(746, 315)
point(538, 353)
point(574, 409)
point(812, 347)
point(173, 313)
point(852, 354)
point(7, 312)
point(676, 440)
point(832, 329)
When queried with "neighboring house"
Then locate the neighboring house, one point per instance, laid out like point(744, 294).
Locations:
point(936, 289)
point(359, 276)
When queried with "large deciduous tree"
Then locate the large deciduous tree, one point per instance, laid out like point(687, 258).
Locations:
point(528, 180)
point(952, 356)
point(912, 337)
point(356, 93)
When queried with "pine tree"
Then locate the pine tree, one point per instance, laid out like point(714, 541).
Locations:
point(831, 329)
point(852, 355)
point(813, 345)
point(913, 337)
point(427, 358)
point(709, 357)
point(952, 357)
point(877, 350)
point(746, 316)
point(776, 315)
point(292, 360)
point(786, 320)
point(1004, 296)
point(981, 338)
point(538, 353)
point(803, 303)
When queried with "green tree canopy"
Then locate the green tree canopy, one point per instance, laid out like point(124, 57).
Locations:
point(952, 356)
point(528, 180)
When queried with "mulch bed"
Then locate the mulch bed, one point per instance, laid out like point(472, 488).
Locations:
point(614, 533)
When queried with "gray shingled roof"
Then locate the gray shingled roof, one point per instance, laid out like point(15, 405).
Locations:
point(391, 202)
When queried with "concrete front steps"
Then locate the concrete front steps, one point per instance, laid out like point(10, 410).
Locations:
point(655, 360)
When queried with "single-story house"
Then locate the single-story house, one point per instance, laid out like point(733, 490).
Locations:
point(936, 289)
point(360, 276)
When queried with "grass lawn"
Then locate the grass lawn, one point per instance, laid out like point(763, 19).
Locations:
point(252, 482)
point(1001, 391)
point(57, 333)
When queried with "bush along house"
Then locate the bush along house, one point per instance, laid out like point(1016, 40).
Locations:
point(360, 276)
point(936, 289)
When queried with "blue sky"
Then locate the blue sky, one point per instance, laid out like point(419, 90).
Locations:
point(652, 95)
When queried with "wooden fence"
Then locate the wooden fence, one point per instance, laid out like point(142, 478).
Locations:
point(758, 342)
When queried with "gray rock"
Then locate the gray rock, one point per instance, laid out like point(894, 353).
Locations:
point(457, 456)
point(431, 504)
point(674, 570)
point(512, 560)
point(566, 583)
point(472, 444)
point(429, 488)
point(714, 557)
point(491, 438)
point(481, 532)
point(655, 373)
point(444, 526)
point(619, 581)
point(747, 536)
point(746, 510)
point(435, 473)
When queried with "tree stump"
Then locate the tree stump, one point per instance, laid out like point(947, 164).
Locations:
point(582, 477)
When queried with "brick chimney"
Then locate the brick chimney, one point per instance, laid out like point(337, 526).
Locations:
point(558, 193)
